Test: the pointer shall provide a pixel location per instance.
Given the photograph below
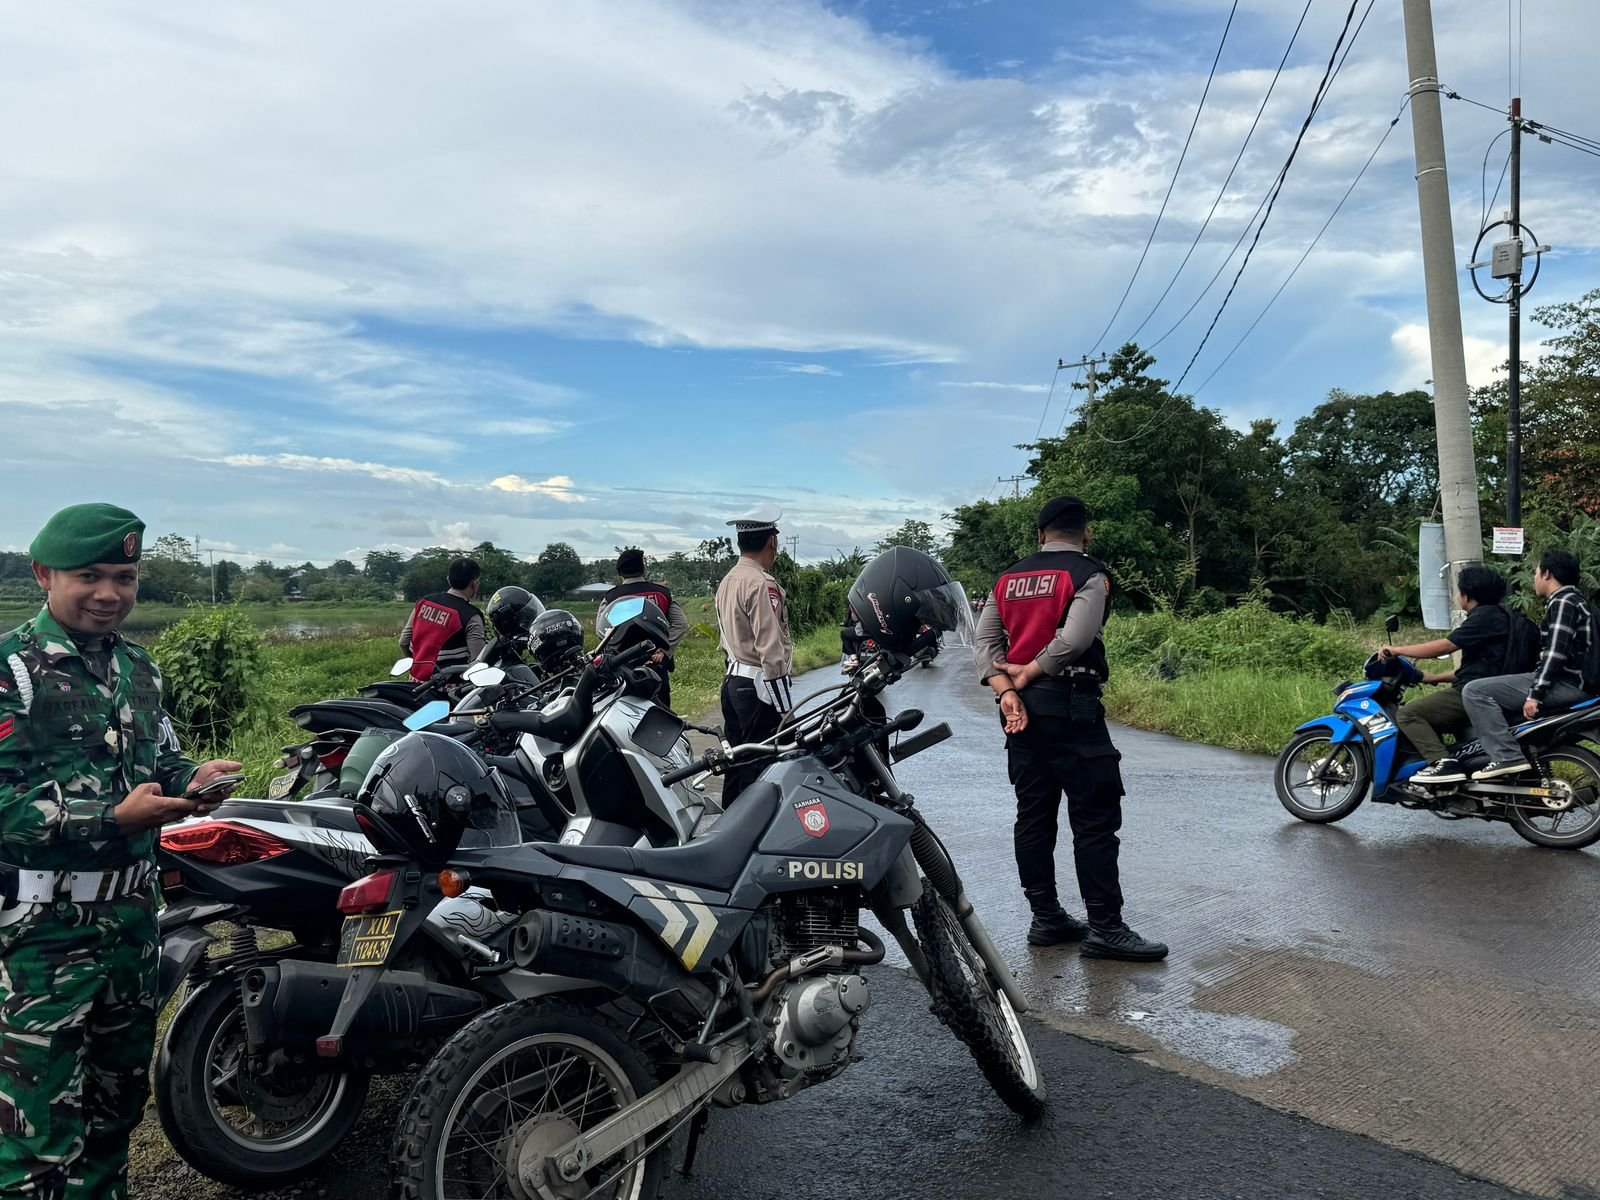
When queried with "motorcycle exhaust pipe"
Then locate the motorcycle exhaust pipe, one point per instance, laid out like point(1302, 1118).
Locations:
point(615, 956)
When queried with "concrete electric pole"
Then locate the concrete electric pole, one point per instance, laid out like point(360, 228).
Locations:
point(1452, 418)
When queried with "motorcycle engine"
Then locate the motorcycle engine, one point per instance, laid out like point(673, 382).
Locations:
point(817, 1019)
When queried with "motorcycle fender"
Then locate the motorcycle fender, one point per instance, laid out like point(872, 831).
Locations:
point(181, 949)
point(1340, 729)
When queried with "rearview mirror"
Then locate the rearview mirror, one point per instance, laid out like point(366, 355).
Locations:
point(1392, 625)
point(402, 666)
point(483, 675)
point(434, 710)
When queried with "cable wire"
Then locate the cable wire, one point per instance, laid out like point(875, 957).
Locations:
point(1347, 192)
point(1150, 241)
point(1054, 375)
point(1483, 178)
point(1250, 224)
point(1223, 191)
point(1327, 78)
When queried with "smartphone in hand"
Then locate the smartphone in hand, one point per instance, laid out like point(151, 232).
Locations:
point(216, 790)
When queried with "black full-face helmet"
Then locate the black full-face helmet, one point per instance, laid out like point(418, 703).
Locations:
point(429, 793)
point(554, 638)
point(625, 623)
point(902, 592)
point(512, 611)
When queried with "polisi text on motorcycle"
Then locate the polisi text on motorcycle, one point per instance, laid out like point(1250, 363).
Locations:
point(823, 871)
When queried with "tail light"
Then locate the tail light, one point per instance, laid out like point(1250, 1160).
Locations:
point(370, 894)
point(333, 759)
point(223, 842)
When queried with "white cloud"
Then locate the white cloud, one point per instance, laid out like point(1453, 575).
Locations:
point(307, 462)
point(557, 487)
point(990, 385)
point(1484, 357)
point(806, 369)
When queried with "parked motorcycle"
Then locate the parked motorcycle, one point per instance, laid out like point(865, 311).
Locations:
point(722, 972)
point(258, 1119)
point(1333, 763)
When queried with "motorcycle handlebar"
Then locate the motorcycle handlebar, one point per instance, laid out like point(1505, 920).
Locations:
point(582, 696)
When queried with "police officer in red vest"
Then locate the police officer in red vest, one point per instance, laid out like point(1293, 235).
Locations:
point(630, 569)
point(1040, 649)
point(446, 628)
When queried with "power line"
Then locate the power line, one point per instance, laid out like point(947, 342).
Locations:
point(1327, 78)
point(1223, 190)
point(1347, 192)
point(1590, 150)
point(1054, 375)
point(1483, 177)
point(1150, 241)
point(1250, 224)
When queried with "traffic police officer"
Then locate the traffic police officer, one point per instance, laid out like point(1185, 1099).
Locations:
point(89, 769)
point(753, 618)
point(1040, 649)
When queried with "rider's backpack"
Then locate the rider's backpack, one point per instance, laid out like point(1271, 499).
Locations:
point(1522, 645)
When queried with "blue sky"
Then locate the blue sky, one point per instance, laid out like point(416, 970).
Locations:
point(309, 280)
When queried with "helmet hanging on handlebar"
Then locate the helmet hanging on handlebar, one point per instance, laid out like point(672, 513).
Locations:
point(513, 610)
point(904, 592)
point(429, 793)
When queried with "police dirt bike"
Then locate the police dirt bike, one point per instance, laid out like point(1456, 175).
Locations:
point(727, 971)
point(1333, 763)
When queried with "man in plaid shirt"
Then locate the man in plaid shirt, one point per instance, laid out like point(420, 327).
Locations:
point(1556, 683)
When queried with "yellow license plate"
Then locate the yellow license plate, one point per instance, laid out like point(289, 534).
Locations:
point(365, 940)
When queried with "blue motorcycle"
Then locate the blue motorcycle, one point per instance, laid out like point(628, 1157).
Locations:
point(1335, 762)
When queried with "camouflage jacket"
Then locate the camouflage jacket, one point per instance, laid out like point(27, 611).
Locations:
point(76, 747)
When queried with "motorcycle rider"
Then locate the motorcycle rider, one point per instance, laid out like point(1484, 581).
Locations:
point(1568, 632)
point(446, 628)
point(630, 569)
point(1040, 650)
point(1482, 640)
point(753, 619)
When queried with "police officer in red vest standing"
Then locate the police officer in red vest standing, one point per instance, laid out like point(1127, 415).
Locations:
point(630, 569)
point(446, 628)
point(1040, 649)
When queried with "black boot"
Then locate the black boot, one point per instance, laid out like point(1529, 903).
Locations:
point(1113, 939)
point(1052, 926)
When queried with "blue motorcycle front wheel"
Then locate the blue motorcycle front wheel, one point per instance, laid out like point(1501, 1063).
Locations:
point(1319, 780)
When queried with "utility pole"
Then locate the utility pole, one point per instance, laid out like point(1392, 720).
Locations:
point(1089, 363)
point(794, 542)
point(1016, 484)
point(1514, 338)
point(1452, 418)
point(213, 555)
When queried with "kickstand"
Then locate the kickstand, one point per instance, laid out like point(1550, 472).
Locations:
point(696, 1127)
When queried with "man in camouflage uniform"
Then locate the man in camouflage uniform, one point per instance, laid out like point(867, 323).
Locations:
point(89, 770)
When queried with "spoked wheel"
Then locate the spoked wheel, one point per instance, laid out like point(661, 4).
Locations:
point(249, 1129)
point(1576, 776)
point(509, 1090)
point(967, 999)
point(1321, 781)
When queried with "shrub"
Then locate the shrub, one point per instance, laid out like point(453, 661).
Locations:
point(213, 669)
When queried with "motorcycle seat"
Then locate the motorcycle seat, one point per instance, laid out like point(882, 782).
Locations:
point(348, 713)
point(714, 861)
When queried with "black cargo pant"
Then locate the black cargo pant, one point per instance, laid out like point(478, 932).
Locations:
point(1051, 756)
point(745, 718)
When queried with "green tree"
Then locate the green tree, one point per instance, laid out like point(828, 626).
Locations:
point(384, 566)
point(170, 571)
point(558, 570)
point(918, 535)
point(229, 575)
point(341, 568)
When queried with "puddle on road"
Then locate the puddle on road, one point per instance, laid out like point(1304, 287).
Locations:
point(1245, 1046)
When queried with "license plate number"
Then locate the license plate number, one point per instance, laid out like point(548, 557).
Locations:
point(282, 785)
point(365, 940)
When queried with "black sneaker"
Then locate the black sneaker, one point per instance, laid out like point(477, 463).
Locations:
point(1446, 770)
point(1118, 941)
point(1053, 928)
point(1497, 770)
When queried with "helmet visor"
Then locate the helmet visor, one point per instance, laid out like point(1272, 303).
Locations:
point(946, 609)
point(617, 612)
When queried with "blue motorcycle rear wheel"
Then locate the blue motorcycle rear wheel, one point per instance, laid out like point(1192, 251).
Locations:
point(1319, 780)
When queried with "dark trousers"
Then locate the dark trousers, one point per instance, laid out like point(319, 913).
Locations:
point(1052, 756)
point(1427, 719)
point(745, 718)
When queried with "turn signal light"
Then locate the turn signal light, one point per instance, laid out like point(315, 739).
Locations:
point(370, 894)
point(222, 842)
point(453, 883)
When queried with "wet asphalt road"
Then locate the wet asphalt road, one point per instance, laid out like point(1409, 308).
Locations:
point(1407, 984)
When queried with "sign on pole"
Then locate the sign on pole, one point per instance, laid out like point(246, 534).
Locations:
point(1431, 576)
point(1509, 541)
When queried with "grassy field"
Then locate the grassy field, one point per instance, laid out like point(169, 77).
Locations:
point(275, 620)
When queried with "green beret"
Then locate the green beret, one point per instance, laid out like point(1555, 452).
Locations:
point(88, 533)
